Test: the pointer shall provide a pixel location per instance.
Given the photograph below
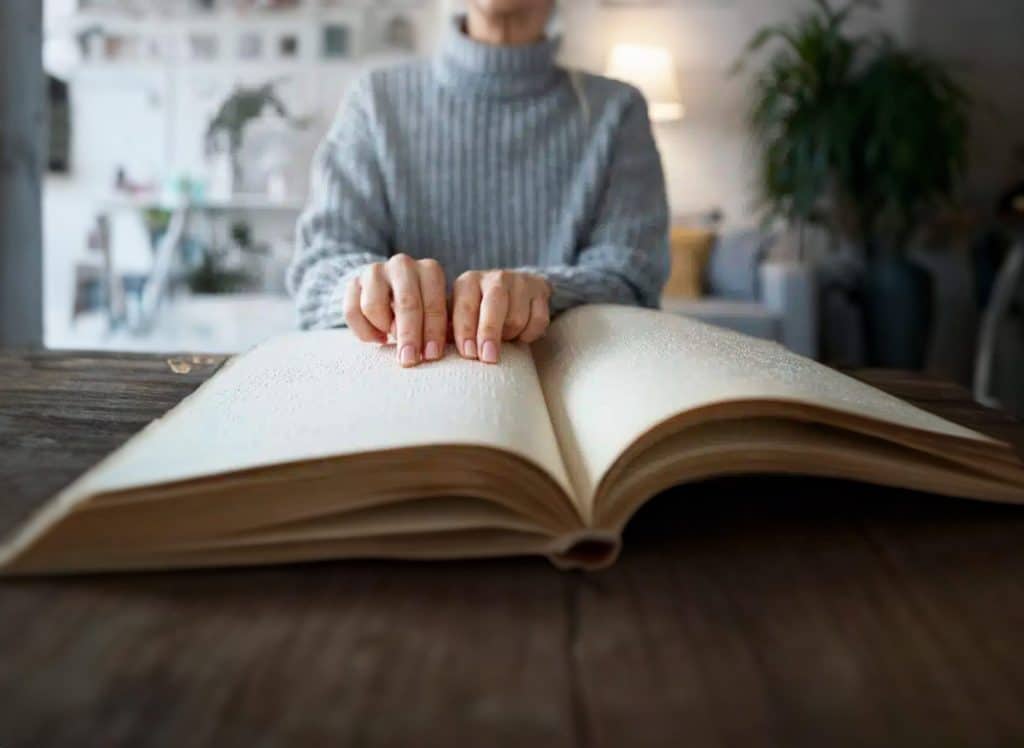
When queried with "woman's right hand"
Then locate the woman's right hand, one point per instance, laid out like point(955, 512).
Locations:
point(405, 297)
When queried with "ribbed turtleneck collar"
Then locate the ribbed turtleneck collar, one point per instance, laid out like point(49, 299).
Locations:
point(494, 70)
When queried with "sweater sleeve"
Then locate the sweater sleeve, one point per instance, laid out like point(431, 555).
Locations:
point(346, 223)
point(624, 258)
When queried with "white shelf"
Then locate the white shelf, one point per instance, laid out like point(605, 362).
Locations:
point(173, 30)
point(224, 323)
point(254, 203)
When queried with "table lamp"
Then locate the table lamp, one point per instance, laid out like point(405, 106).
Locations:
point(653, 71)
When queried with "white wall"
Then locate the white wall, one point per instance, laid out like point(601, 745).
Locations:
point(707, 155)
point(149, 118)
point(708, 158)
point(983, 43)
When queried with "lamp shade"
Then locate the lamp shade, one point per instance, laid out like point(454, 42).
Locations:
point(653, 71)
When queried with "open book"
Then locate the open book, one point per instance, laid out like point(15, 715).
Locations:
point(316, 446)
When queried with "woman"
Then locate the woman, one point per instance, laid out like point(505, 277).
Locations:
point(536, 189)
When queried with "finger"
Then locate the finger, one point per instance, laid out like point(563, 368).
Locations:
point(466, 313)
point(493, 309)
point(435, 308)
point(375, 302)
point(540, 318)
point(354, 317)
point(408, 308)
point(450, 334)
point(518, 314)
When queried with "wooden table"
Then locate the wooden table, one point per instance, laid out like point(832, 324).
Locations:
point(743, 612)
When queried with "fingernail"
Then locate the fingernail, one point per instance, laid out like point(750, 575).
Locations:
point(407, 357)
point(432, 351)
point(469, 349)
point(489, 352)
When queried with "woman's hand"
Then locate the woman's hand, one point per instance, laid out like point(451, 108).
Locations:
point(405, 297)
point(495, 305)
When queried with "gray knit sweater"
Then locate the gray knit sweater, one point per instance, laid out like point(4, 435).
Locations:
point(487, 157)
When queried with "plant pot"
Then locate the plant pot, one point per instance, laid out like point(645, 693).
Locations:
point(898, 313)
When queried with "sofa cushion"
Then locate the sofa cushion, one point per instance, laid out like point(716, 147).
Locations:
point(691, 249)
point(732, 268)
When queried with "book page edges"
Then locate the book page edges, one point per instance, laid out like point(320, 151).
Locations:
point(50, 513)
point(94, 484)
point(320, 395)
point(451, 546)
point(498, 481)
point(771, 446)
point(612, 374)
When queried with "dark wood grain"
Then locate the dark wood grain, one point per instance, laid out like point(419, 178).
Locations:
point(61, 413)
point(809, 613)
point(743, 612)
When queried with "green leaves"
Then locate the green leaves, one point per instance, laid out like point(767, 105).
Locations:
point(800, 109)
point(913, 125)
point(854, 124)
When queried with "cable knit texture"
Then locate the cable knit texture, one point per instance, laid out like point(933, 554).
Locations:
point(487, 157)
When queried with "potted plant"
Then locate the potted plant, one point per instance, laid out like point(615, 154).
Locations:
point(910, 156)
point(865, 138)
point(226, 130)
point(801, 110)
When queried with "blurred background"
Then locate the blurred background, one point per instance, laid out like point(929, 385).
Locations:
point(850, 184)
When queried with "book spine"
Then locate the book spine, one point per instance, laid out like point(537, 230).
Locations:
point(590, 550)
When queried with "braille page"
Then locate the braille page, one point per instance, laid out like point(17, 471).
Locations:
point(611, 373)
point(321, 394)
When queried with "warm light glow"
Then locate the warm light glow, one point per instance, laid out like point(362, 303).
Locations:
point(653, 71)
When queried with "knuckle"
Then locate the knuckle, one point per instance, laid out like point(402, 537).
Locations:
point(489, 330)
point(497, 293)
point(467, 308)
point(515, 323)
point(375, 306)
point(465, 300)
point(408, 302)
point(430, 264)
point(400, 260)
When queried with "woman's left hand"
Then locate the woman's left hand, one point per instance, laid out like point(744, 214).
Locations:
point(489, 306)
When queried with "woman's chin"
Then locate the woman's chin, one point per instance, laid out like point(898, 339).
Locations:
point(501, 7)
